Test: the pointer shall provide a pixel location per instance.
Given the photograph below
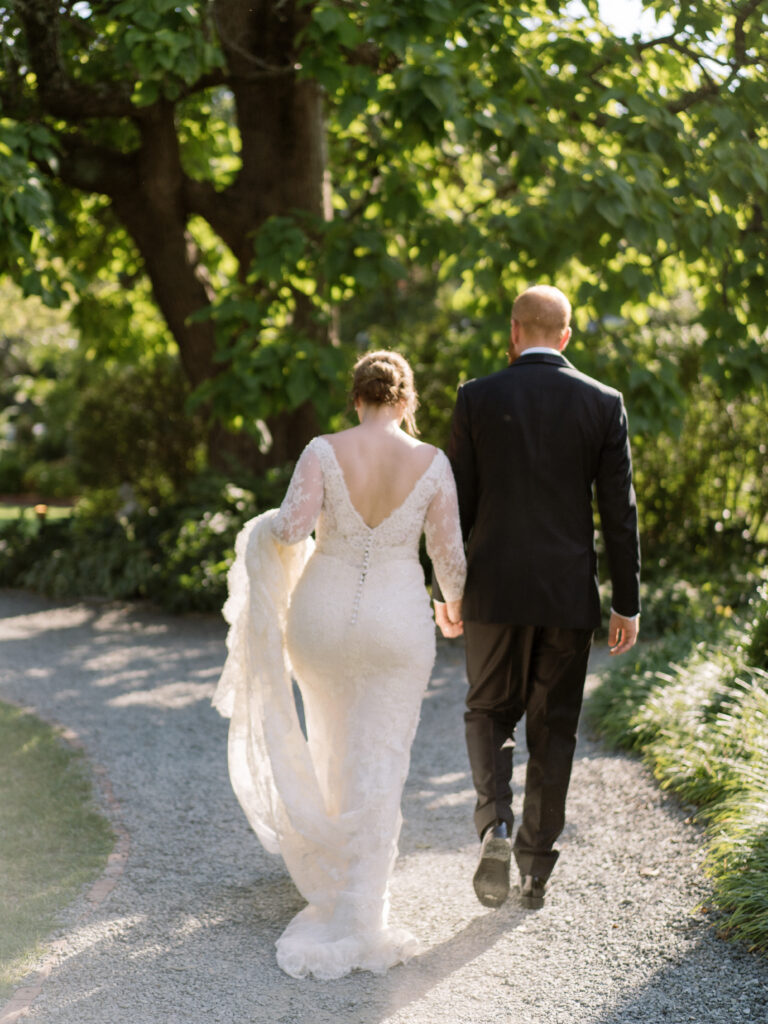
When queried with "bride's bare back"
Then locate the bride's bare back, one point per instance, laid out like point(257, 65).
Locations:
point(381, 465)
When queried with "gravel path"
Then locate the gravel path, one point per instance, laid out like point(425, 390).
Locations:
point(184, 933)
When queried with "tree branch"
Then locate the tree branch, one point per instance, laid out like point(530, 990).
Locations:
point(370, 55)
point(222, 210)
point(248, 32)
point(690, 99)
point(710, 87)
point(91, 168)
point(59, 95)
point(739, 36)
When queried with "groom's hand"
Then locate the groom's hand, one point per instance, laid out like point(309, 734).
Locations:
point(449, 628)
point(622, 633)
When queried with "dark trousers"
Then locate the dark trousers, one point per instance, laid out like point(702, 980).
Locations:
point(538, 671)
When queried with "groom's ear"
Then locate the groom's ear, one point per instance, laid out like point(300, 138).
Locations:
point(514, 334)
point(564, 340)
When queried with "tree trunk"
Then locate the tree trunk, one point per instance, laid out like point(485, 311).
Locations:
point(281, 125)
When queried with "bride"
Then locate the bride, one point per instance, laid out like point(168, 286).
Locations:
point(348, 615)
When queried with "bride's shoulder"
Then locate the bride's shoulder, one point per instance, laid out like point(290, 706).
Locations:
point(419, 450)
point(430, 451)
point(339, 440)
point(315, 451)
point(439, 464)
point(322, 441)
point(430, 459)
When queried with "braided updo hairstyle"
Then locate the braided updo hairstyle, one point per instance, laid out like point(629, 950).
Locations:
point(385, 378)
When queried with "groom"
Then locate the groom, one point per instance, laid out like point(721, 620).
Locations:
point(528, 446)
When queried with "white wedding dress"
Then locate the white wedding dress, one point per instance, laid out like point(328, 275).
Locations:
point(349, 616)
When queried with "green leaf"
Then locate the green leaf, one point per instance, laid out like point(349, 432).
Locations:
point(611, 210)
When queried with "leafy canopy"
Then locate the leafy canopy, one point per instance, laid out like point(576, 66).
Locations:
point(472, 146)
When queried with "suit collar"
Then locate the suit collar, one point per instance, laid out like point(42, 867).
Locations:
point(553, 358)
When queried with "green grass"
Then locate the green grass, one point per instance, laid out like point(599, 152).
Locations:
point(697, 712)
point(8, 512)
point(52, 840)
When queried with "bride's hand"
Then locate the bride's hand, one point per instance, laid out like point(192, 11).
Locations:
point(448, 618)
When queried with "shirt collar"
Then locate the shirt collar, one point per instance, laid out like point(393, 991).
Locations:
point(539, 350)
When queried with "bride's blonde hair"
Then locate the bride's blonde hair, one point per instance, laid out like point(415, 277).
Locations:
point(386, 378)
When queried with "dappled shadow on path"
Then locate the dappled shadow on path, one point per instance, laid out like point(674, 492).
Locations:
point(209, 956)
point(188, 934)
point(102, 655)
point(206, 953)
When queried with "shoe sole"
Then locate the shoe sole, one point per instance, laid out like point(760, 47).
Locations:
point(491, 879)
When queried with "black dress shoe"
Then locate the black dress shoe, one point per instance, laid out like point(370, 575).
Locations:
point(491, 879)
point(532, 891)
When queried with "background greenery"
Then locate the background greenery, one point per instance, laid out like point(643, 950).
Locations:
point(412, 166)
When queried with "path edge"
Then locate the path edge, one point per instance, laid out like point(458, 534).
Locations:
point(25, 995)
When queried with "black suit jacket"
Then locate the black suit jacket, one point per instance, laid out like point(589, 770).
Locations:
point(529, 446)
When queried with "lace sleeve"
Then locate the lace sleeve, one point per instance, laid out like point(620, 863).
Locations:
point(443, 532)
point(302, 502)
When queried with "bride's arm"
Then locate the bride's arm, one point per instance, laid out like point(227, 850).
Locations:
point(445, 546)
point(302, 502)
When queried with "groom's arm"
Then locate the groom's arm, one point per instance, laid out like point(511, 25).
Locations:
point(461, 453)
point(618, 518)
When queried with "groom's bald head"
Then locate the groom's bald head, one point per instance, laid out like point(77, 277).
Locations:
point(540, 317)
point(543, 312)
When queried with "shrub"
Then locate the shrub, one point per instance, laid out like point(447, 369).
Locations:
point(54, 479)
point(697, 711)
point(757, 650)
point(11, 472)
point(176, 555)
point(131, 425)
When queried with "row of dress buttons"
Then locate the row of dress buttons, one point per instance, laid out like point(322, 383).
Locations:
point(361, 581)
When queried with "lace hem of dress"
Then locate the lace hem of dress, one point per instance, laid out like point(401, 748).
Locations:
point(311, 947)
